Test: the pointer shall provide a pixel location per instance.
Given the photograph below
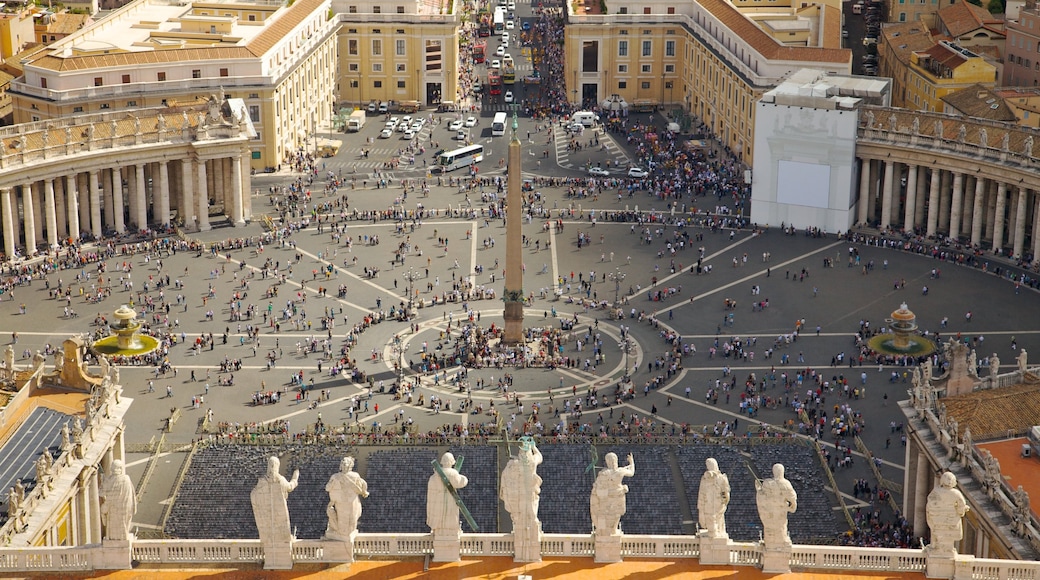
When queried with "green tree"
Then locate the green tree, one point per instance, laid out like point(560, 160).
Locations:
point(996, 6)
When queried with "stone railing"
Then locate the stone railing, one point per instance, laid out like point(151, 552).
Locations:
point(39, 559)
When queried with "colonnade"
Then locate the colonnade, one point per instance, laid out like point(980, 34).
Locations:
point(962, 204)
point(43, 213)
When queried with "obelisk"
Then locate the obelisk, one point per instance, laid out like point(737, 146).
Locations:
point(513, 333)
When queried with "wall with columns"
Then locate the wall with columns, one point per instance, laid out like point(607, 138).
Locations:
point(71, 179)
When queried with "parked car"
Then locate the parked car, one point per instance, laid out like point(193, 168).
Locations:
point(471, 121)
point(386, 133)
point(637, 172)
point(598, 172)
point(455, 126)
point(509, 96)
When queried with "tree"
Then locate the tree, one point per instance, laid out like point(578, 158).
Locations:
point(996, 6)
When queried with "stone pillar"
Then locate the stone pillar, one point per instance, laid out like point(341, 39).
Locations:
point(998, 219)
point(956, 205)
point(203, 197)
point(978, 211)
point(117, 200)
point(933, 202)
point(187, 206)
point(139, 194)
point(163, 219)
point(886, 195)
point(83, 187)
point(237, 193)
point(1020, 222)
point(10, 221)
point(50, 213)
point(1036, 228)
point(945, 193)
point(106, 185)
point(60, 206)
point(72, 205)
point(513, 331)
point(922, 184)
point(29, 220)
point(95, 507)
point(95, 204)
point(84, 514)
point(911, 198)
point(864, 191)
point(872, 198)
point(921, 495)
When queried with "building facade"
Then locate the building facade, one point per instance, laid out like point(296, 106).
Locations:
point(1022, 67)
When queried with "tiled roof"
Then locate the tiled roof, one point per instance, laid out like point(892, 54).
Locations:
point(903, 38)
point(943, 55)
point(980, 102)
point(764, 44)
point(962, 17)
point(74, 63)
point(67, 23)
point(282, 25)
point(996, 410)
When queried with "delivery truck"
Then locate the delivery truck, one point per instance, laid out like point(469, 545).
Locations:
point(356, 121)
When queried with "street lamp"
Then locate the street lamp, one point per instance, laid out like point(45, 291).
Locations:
point(617, 276)
point(626, 346)
point(410, 277)
point(399, 350)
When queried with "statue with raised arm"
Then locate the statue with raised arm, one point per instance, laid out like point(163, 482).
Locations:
point(712, 499)
point(607, 502)
point(946, 506)
point(346, 489)
point(776, 499)
point(270, 508)
point(520, 490)
point(118, 503)
point(442, 513)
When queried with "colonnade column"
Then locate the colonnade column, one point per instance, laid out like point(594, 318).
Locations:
point(956, 205)
point(886, 195)
point(164, 194)
point(998, 218)
point(945, 193)
point(95, 507)
point(142, 206)
point(95, 203)
point(978, 215)
point(187, 208)
point(236, 191)
point(117, 200)
point(911, 198)
point(29, 219)
point(72, 205)
point(203, 197)
point(1020, 222)
point(933, 202)
point(51, 213)
point(922, 183)
point(864, 190)
point(9, 220)
point(1036, 227)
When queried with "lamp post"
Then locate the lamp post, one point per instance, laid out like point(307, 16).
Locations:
point(626, 346)
point(410, 277)
point(617, 276)
point(399, 350)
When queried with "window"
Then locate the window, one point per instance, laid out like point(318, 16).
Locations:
point(668, 84)
point(377, 47)
point(400, 84)
point(623, 10)
point(43, 83)
point(622, 48)
point(902, 16)
point(254, 154)
point(401, 67)
point(622, 85)
point(377, 9)
point(646, 32)
point(623, 32)
point(353, 83)
point(402, 48)
point(251, 18)
point(669, 68)
point(353, 67)
point(77, 109)
point(377, 84)
point(254, 113)
point(223, 72)
point(590, 56)
point(131, 103)
point(105, 106)
point(644, 85)
point(377, 67)
point(647, 47)
point(160, 76)
point(671, 10)
point(352, 10)
point(400, 31)
point(644, 68)
point(99, 82)
point(622, 68)
point(126, 79)
point(669, 48)
point(254, 95)
point(196, 73)
point(646, 10)
point(400, 9)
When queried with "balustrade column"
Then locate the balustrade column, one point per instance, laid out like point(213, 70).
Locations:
point(956, 205)
point(886, 194)
point(1020, 222)
point(50, 213)
point(95, 203)
point(933, 202)
point(911, 198)
point(164, 194)
point(142, 205)
point(998, 217)
point(203, 197)
point(978, 213)
point(29, 220)
point(237, 192)
point(9, 223)
point(864, 191)
point(72, 205)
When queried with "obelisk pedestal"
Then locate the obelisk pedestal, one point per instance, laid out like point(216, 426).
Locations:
point(513, 330)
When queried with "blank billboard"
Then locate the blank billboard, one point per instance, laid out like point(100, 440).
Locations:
point(805, 184)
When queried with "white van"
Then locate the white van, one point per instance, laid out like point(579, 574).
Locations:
point(586, 118)
point(384, 107)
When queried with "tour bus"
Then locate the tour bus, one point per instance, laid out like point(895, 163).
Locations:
point(498, 125)
point(500, 19)
point(464, 157)
point(479, 51)
point(494, 82)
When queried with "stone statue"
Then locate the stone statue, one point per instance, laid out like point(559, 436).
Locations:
point(442, 513)
point(607, 502)
point(962, 133)
point(270, 509)
point(967, 440)
point(213, 115)
point(1005, 140)
point(12, 503)
point(939, 129)
point(926, 371)
point(991, 464)
point(973, 363)
point(118, 503)
point(1021, 498)
point(946, 506)
point(106, 366)
point(66, 442)
point(9, 360)
point(917, 125)
point(346, 489)
point(954, 431)
point(776, 498)
point(520, 490)
point(1022, 359)
point(892, 123)
point(38, 360)
point(712, 499)
point(983, 137)
point(59, 360)
point(994, 365)
point(1027, 148)
point(870, 119)
point(19, 489)
point(160, 123)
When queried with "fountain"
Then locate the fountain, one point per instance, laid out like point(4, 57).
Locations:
point(125, 339)
point(902, 339)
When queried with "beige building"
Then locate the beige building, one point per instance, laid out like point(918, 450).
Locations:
point(280, 58)
point(1024, 102)
point(712, 58)
point(16, 30)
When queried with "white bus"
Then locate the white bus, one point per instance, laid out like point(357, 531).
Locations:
point(500, 19)
point(498, 125)
point(464, 157)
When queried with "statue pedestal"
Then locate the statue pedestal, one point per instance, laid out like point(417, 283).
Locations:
point(527, 547)
point(776, 560)
point(714, 551)
point(338, 551)
point(446, 549)
point(278, 556)
point(114, 555)
point(941, 565)
point(608, 548)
